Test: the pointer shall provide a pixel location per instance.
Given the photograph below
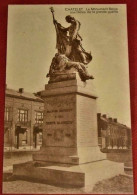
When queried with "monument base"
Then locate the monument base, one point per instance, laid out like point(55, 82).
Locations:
point(84, 175)
point(70, 123)
point(67, 155)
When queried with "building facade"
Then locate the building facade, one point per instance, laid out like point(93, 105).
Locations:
point(23, 121)
point(112, 134)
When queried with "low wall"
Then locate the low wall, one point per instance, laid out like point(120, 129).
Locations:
point(120, 157)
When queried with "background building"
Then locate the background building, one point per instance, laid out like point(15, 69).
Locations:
point(23, 120)
point(24, 123)
point(112, 134)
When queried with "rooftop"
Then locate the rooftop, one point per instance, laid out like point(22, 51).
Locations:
point(110, 120)
point(22, 94)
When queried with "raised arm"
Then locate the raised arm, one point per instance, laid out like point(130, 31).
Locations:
point(52, 11)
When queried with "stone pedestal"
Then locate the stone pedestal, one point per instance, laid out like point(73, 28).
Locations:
point(70, 123)
point(69, 154)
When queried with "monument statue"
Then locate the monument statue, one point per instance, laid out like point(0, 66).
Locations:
point(71, 54)
point(70, 153)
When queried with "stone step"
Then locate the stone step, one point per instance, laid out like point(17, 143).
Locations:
point(84, 175)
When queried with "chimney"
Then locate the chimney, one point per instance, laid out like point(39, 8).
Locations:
point(98, 115)
point(104, 116)
point(110, 119)
point(21, 90)
point(115, 120)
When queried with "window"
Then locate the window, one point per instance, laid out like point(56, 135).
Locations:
point(7, 113)
point(22, 115)
point(38, 117)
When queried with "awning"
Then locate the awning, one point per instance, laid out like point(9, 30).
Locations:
point(37, 129)
point(20, 129)
point(6, 129)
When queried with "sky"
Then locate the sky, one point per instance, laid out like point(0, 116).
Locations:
point(31, 47)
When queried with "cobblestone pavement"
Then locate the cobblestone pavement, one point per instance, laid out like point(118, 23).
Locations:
point(119, 184)
point(16, 187)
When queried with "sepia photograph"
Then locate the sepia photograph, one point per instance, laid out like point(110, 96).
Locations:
point(67, 120)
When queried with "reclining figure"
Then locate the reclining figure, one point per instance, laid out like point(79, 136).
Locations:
point(60, 64)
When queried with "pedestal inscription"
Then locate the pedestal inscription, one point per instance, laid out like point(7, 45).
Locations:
point(59, 123)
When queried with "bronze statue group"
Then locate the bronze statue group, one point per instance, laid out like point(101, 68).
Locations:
point(70, 53)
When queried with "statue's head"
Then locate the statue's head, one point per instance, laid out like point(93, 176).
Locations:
point(56, 55)
point(70, 19)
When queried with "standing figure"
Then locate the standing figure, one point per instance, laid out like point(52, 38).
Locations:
point(69, 40)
